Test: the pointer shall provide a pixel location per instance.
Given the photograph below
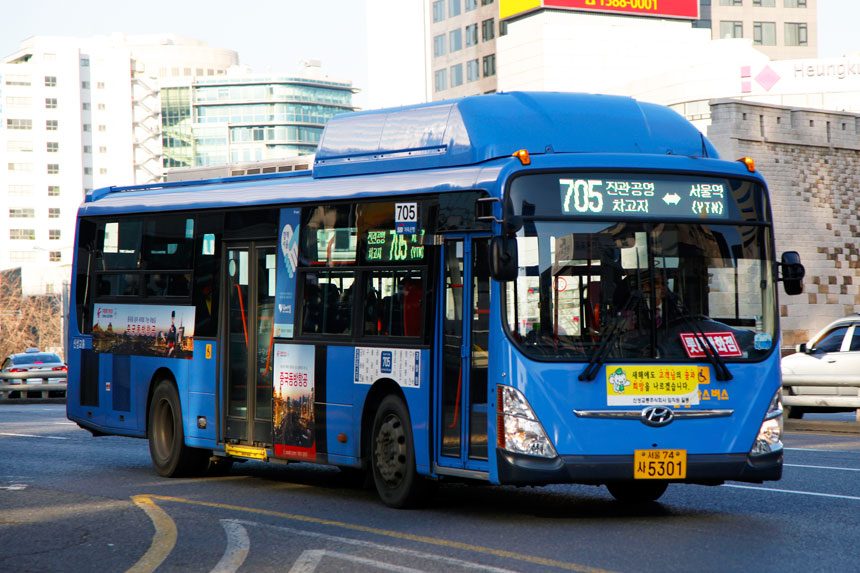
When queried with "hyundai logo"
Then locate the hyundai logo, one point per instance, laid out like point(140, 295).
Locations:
point(656, 416)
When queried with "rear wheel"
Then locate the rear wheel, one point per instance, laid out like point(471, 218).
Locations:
point(637, 491)
point(393, 457)
point(170, 456)
point(794, 412)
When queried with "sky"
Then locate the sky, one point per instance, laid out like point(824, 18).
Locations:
point(275, 35)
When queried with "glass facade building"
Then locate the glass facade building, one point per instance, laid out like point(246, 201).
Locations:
point(235, 120)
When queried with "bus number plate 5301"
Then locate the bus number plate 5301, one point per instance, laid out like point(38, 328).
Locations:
point(659, 464)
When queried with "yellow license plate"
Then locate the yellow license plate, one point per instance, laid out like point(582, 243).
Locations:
point(659, 464)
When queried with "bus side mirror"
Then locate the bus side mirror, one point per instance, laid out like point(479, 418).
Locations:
point(792, 273)
point(504, 265)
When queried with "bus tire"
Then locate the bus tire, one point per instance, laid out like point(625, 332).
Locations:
point(633, 492)
point(392, 457)
point(794, 412)
point(170, 456)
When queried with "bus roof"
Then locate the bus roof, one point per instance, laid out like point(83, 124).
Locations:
point(450, 141)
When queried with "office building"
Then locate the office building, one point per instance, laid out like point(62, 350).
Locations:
point(76, 114)
point(240, 117)
point(782, 29)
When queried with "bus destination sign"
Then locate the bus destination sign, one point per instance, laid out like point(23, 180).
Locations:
point(644, 197)
point(387, 245)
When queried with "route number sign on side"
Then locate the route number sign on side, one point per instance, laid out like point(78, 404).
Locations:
point(406, 218)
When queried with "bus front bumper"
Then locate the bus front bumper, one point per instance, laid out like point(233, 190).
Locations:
point(710, 469)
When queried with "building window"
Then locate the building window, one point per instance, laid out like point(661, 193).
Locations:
point(85, 85)
point(471, 5)
point(102, 127)
point(50, 103)
point(101, 85)
point(486, 2)
point(473, 71)
point(489, 65)
point(733, 29)
point(50, 81)
point(795, 34)
point(87, 127)
point(102, 148)
point(438, 10)
point(20, 167)
point(731, 3)
point(55, 256)
point(764, 33)
point(795, 3)
point(22, 234)
point(53, 213)
point(102, 170)
point(438, 45)
point(440, 80)
point(764, 3)
point(88, 170)
point(472, 35)
point(53, 190)
point(53, 147)
point(88, 148)
point(53, 168)
point(52, 124)
point(25, 213)
point(23, 124)
point(53, 234)
point(453, 8)
point(455, 40)
point(85, 62)
point(503, 28)
point(20, 190)
point(488, 29)
point(456, 75)
point(85, 106)
point(101, 107)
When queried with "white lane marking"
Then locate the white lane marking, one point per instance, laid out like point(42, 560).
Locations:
point(822, 467)
point(14, 486)
point(64, 423)
point(810, 493)
point(379, 546)
point(310, 559)
point(238, 545)
point(32, 436)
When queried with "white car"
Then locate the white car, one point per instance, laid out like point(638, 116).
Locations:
point(831, 360)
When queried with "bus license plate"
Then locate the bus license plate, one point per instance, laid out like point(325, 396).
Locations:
point(659, 464)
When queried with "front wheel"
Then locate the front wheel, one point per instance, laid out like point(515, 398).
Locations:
point(637, 491)
point(170, 456)
point(393, 457)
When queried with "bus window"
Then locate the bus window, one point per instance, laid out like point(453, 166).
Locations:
point(120, 245)
point(329, 236)
point(327, 302)
point(168, 242)
point(394, 303)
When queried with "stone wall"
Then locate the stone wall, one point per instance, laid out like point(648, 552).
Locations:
point(811, 160)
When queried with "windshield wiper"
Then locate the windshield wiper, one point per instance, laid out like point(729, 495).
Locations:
point(599, 357)
point(722, 371)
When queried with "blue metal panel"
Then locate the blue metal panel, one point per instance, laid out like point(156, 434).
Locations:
point(339, 370)
point(339, 420)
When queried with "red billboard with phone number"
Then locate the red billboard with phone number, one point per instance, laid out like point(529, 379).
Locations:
point(661, 8)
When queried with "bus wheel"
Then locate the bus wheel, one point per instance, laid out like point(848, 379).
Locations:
point(794, 412)
point(393, 457)
point(637, 491)
point(170, 456)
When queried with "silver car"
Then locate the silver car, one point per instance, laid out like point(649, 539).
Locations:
point(42, 365)
point(830, 361)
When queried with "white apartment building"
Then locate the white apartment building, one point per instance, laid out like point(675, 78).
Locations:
point(77, 114)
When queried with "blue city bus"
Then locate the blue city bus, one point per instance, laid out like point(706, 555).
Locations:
point(518, 288)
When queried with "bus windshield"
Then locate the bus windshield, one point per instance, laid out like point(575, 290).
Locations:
point(656, 284)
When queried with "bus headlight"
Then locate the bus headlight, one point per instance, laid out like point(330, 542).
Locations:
point(518, 429)
point(770, 434)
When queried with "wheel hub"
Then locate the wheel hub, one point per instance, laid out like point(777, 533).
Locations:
point(391, 450)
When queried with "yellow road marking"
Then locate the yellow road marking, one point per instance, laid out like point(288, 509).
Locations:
point(184, 481)
point(384, 532)
point(163, 541)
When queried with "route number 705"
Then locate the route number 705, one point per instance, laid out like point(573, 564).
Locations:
point(583, 193)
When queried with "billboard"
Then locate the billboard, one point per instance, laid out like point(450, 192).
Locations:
point(144, 330)
point(686, 9)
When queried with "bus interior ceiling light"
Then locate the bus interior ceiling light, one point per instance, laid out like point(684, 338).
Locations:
point(523, 156)
point(749, 162)
point(519, 430)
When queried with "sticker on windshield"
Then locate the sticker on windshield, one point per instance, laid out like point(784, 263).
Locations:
point(724, 343)
point(634, 385)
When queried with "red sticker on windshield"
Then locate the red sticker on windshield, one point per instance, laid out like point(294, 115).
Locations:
point(724, 343)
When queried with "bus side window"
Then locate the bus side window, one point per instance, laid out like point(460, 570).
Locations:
point(394, 303)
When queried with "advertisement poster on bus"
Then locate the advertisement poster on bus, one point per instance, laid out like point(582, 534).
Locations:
point(293, 415)
point(288, 258)
point(144, 330)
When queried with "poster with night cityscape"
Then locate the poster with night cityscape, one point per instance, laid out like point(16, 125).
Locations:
point(144, 330)
point(293, 415)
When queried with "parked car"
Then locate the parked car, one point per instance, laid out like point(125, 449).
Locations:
point(36, 362)
point(831, 355)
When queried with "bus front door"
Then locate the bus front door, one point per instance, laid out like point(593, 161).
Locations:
point(249, 320)
point(461, 387)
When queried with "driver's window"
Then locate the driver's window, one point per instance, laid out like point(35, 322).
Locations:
point(855, 340)
point(832, 341)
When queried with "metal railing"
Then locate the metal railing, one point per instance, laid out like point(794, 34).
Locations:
point(30, 382)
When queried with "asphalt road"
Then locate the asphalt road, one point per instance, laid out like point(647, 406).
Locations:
point(70, 502)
